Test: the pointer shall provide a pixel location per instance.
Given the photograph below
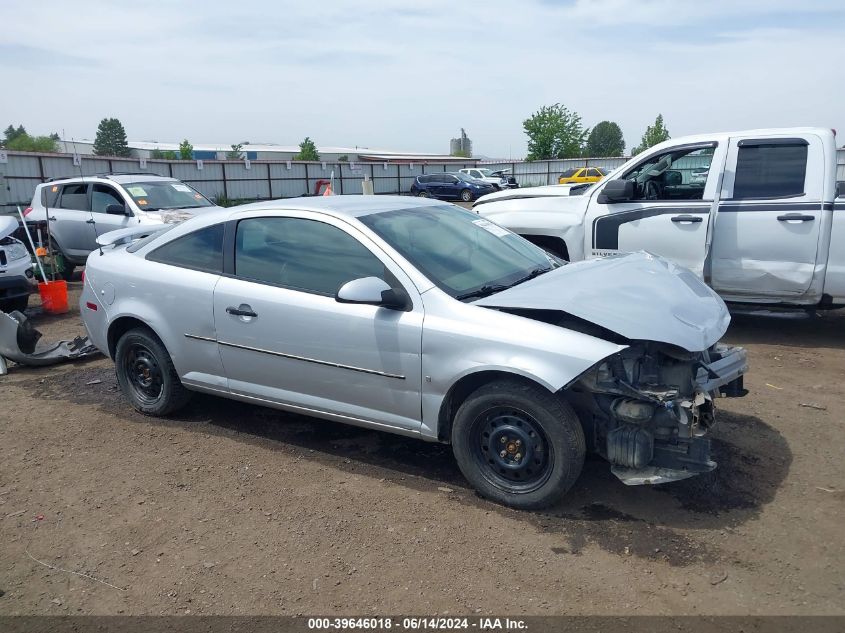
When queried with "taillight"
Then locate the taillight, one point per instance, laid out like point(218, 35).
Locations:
point(27, 211)
point(91, 305)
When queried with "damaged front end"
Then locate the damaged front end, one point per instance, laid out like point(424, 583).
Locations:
point(647, 409)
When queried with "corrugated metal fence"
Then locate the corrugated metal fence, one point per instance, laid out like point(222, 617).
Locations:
point(263, 180)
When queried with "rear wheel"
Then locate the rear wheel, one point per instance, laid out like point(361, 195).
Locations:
point(466, 195)
point(61, 260)
point(518, 444)
point(146, 374)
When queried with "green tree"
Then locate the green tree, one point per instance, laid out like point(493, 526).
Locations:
point(170, 155)
point(654, 134)
point(605, 139)
point(461, 153)
point(26, 143)
point(236, 153)
point(11, 133)
point(111, 139)
point(307, 150)
point(343, 159)
point(156, 153)
point(554, 132)
point(186, 150)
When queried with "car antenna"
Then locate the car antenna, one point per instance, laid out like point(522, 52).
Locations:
point(90, 207)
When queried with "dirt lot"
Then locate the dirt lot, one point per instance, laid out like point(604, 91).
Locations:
point(233, 509)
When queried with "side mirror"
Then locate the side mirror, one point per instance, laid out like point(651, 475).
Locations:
point(840, 189)
point(617, 191)
point(116, 209)
point(373, 291)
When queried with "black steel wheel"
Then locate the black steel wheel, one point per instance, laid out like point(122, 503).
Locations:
point(511, 449)
point(146, 374)
point(518, 444)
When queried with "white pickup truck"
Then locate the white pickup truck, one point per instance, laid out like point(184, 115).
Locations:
point(757, 214)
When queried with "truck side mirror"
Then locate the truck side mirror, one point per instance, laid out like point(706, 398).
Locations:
point(617, 191)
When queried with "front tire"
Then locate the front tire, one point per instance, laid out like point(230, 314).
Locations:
point(146, 374)
point(423, 194)
point(518, 444)
point(466, 195)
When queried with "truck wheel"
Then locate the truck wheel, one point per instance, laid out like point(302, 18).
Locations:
point(518, 444)
point(466, 195)
point(146, 374)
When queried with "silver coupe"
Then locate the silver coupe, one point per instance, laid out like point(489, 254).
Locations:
point(421, 318)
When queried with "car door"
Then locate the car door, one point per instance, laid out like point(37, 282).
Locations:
point(451, 186)
point(770, 216)
point(668, 214)
point(71, 224)
point(102, 196)
point(285, 339)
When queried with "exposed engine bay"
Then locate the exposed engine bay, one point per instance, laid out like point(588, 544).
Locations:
point(648, 408)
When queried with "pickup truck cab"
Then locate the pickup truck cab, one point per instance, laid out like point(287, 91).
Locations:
point(756, 214)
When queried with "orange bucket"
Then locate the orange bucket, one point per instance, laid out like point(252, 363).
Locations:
point(53, 296)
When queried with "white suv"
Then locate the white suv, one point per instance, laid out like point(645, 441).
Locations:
point(82, 208)
point(495, 178)
point(17, 280)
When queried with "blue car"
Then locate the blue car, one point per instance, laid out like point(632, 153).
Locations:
point(450, 187)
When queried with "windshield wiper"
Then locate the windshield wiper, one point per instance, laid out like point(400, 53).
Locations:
point(534, 273)
point(482, 292)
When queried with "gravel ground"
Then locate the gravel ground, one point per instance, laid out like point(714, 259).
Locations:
point(233, 509)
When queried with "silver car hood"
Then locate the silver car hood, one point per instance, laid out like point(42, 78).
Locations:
point(8, 225)
point(639, 296)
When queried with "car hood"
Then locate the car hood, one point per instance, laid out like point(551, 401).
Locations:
point(639, 296)
point(525, 193)
point(8, 225)
point(175, 216)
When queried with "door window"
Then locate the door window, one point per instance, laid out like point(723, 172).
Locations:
point(102, 197)
point(75, 197)
point(679, 174)
point(768, 170)
point(200, 250)
point(301, 254)
point(569, 173)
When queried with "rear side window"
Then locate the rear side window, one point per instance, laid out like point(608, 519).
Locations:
point(50, 195)
point(75, 197)
point(302, 254)
point(766, 170)
point(201, 250)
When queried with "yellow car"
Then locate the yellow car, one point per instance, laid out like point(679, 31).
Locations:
point(581, 174)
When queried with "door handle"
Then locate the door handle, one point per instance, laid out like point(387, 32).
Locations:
point(686, 218)
point(246, 311)
point(52, 218)
point(795, 217)
point(91, 221)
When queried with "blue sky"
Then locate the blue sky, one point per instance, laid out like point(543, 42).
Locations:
point(408, 76)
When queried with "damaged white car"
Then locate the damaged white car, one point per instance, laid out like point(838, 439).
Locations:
point(420, 318)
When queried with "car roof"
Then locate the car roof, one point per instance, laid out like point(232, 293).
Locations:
point(114, 178)
point(349, 206)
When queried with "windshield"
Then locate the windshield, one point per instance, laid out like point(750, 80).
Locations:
point(486, 172)
point(165, 194)
point(459, 252)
